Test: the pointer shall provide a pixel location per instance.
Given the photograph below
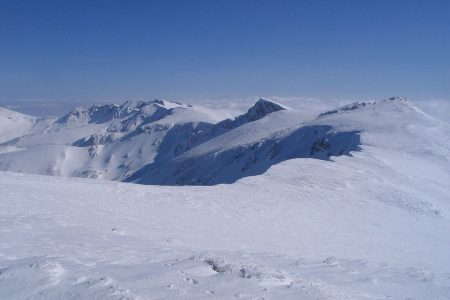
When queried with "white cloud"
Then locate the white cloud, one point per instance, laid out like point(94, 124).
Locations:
point(438, 108)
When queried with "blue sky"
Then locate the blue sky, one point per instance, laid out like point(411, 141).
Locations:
point(117, 50)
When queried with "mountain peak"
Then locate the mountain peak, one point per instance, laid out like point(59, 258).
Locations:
point(397, 98)
point(262, 108)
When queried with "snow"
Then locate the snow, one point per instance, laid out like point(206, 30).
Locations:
point(162, 142)
point(350, 204)
point(101, 141)
point(250, 149)
point(307, 228)
point(14, 124)
point(119, 142)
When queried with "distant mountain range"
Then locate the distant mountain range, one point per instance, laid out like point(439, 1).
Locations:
point(170, 143)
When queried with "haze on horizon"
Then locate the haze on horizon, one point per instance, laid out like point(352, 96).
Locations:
point(112, 51)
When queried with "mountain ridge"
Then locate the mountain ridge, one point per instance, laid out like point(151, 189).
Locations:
point(162, 142)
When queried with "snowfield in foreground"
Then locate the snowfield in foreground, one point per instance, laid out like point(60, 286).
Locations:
point(307, 229)
point(351, 204)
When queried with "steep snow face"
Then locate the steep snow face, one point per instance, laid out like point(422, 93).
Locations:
point(14, 124)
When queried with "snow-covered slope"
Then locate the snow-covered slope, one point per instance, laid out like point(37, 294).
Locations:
point(370, 226)
point(351, 204)
point(14, 124)
point(390, 126)
point(114, 141)
point(161, 142)
point(104, 141)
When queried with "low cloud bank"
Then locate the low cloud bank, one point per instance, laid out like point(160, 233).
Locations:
point(438, 108)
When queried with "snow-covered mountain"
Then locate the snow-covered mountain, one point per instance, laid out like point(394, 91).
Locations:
point(14, 124)
point(353, 203)
point(104, 141)
point(114, 141)
point(390, 125)
point(161, 142)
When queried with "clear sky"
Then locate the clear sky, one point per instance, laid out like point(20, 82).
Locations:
point(97, 50)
